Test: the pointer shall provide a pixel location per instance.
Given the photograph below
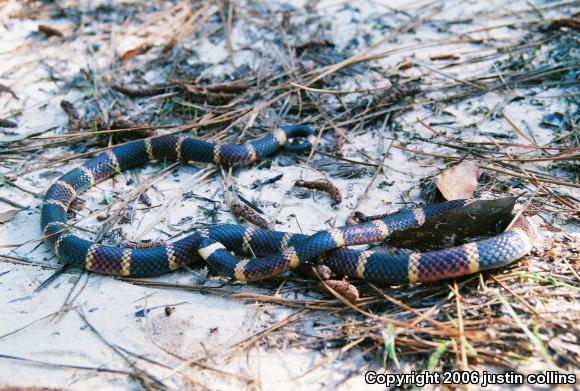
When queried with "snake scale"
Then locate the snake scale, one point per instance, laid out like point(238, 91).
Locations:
point(263, 253)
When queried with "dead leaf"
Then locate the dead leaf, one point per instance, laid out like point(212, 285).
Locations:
point(460, 181)
point(343, 288)
point(50, 31)
point(447, 56)
point(8, 215)
point(134, 52)
point(172, 42)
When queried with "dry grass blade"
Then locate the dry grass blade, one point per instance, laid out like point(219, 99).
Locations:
point(67, 366)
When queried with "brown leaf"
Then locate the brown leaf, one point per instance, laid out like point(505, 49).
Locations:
point(240, 210)
point(136, 51)
point(232, 87)
point(343, 288)
point(8, 215)
point(448, 56)
point(139, 92)
point(322, 185)
point(564, 22)
point(460, 181)
point(170, 45)
point(50, 31)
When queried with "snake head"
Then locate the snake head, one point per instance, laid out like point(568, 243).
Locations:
point(304, 132)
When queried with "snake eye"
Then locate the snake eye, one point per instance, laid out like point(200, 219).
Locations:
point(299, 137)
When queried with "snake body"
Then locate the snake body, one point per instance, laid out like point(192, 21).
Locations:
point(275, 252)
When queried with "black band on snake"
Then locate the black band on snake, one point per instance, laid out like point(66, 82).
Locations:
point(276, 252)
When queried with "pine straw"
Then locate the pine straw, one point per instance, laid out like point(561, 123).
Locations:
point(472, 313)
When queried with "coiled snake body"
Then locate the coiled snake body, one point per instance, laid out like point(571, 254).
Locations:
point(275, 252)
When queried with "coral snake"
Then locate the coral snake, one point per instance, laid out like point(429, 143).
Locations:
point(261, 253)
